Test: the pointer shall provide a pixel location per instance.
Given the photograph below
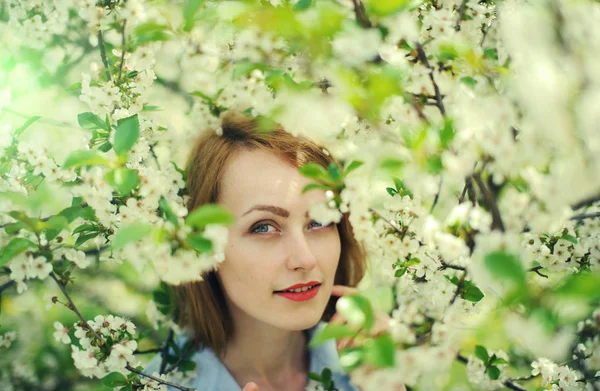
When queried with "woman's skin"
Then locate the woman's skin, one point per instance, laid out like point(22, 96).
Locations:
point(268, 252)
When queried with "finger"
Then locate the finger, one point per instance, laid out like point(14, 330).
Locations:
point(337, 319)
point(341, 290)
point(250, 386)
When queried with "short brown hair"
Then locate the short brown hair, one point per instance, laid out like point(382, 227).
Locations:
point(201, 305)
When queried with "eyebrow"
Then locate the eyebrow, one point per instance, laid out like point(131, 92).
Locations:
point(272, 209)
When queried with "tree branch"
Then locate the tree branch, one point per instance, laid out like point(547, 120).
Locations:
point(122, 51)
point(103, 55)
point(536, 270)
point(156, 379)
point(437, 196)
point(490, 200)
point(508, 383)
point(586, 202)
point(361, 14)
point(585, 216)
point(421, 56)
point(461, 14)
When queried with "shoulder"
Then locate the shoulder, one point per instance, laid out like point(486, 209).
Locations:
point(208, 375)
point(326, 355)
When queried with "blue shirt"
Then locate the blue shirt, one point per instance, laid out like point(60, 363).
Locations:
point(212, 375)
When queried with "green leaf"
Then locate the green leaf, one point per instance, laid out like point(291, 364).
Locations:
point(385, 7)
point(391, 164)
point(85, 158)
point(337, 331)
point(303, 4)
point(352, 166)
point(122, 179)
point(493, 372)
point(115, 379)
point(167, 211)
point(490, 53)
point(209, 214)
point(334, 172)
point(380, 351)
point(130, 233)
point(91, 121)
point(314, 376)
point(84, 228)
point(189, 13)
point(412, 262)
point(400, 272)
point(351, 358)
point(447, 133)
point(314, 171)
point(326, 374)
point(200, 243)
point(356, 310)
point(503, 265)
point(468, 80)
point(569, 238)
point(202, 95)
point(391, 191)
point(14, 248)
point(187, 365)
point(583, 286)
point(471, 292)
point(498, 360)
point(27, 124)
point(482, 353)
point(434, 164)
point(312, 186)
point(81, 239)
point(126, 134)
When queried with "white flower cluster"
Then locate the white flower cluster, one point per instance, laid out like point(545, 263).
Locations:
point(39, 157)
point(7, 339)
point(92, 359)
point(478, 376)
point(561, 377)
point(25, 266)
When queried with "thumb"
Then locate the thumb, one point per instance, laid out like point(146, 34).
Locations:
point(250, 386)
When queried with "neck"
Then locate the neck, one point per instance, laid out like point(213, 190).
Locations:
point(266, 354)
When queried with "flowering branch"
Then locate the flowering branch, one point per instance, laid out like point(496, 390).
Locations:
point(361, 15)
point(586, 202)
point(536, 270)
point(122, 51)
point(459, 287)
point(159, 380)
point(508, 383)
point(585, 216)
point(421, 56)
point(164, 351)
point(490, 200)
point(103, 55)
point(461, 14)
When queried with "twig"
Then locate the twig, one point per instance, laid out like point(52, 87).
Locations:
point(148, 351)
point(122, 51)
point(459, 287)
point(449, 266)
point(165, 351)
point(437, 196)
point(156, 379)
point(73, 308)
point(361, 15)
point(6, 285)
point(438, 96)
point(103, 55)
point(490, 200)
point(461, 14)
point(386, 220)
point(536, 270)
point(586, 202)
point(585, 216)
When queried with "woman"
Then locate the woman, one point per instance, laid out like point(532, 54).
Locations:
point(250, 328)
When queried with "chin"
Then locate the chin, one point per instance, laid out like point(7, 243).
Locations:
point(300, 321)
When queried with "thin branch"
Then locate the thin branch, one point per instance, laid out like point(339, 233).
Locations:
point(361, 14)
point(536, 270)
point(508, 383)
point(438, 96)
point(585, 216)
point(490, 200)
point(122, 51)
point(148, 351)
point(165, 351)
point(461, 14)
point(437, 195)
point(586, 202)
point(449, 266)
point(156, 379)
point(103, 55)
point(6, 285)
point(386, 220)
point(459, 287)
point(73, 308)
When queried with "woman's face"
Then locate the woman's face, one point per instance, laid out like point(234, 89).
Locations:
point(274, 244)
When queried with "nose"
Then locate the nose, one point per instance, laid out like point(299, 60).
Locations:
point(301, 256)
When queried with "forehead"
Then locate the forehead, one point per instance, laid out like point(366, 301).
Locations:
point(260, 177)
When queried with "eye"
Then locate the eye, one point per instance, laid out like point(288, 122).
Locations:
point(264, 227)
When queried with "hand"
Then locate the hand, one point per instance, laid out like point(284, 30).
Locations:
point(250, 386)
point(381, 318)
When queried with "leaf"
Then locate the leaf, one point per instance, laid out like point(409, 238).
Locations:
point(27, 124)
point(189, 13)
point(167, 211)
point(498, 360)
point(380, 351)
point(493, 372)
point(126, 134)
point(400, 272)
point(312, 186)
point(334, 172)
point(91, 121)
point(569, 238)
point(122, 179)
point(187, 365)
point(81, 239)
point(490, 53)
point(352, 166)
point(84, 158)
point(356, 310)
point(503, 265)
point(200, 243)
point(447, 133)
point(301, 5)
point(385, 7)
point(83, 228)
point(391, 191)
point(482, 353)
point(391, 164)
point(583, 286)
point(434, 164)
point(202, 95)
point(115, 379)
point(314, 171)
point(130, 233)
point(337, 331)
point(471, 292)
point(209, 214)
point(14, 248)
point(468, 80)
